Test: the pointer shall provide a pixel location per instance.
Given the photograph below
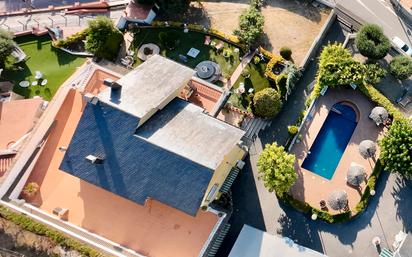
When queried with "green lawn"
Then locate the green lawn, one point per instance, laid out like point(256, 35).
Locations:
point(187, 41)
point(257, 81)
point(55, 64)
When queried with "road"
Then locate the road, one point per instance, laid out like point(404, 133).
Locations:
point(379, 12)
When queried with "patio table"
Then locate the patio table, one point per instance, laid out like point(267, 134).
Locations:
point(24, 83)
point(193, 52)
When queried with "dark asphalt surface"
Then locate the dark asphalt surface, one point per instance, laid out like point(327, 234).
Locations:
point(247, 209)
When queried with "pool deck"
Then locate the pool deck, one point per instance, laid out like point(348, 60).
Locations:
point(313, 188)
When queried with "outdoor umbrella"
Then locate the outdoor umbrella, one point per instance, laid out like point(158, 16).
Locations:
point(338, 200)
point(356, 174)
point(367, 149)
point(379, 115)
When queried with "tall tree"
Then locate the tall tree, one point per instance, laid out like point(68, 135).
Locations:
point(6, 46)
point(396, 148)
point(251, 23)
point(276, 169)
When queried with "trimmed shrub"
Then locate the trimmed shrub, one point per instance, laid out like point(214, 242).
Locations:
point(374, 73)
point(293, 130)
point(281, 81)
point(332, 218)
point(250, 29)
point(274, 60)
point(256, 60)
point(286, 53)
point(267, 103)
point(401, 67)
point(371, 42)
point(298, 205)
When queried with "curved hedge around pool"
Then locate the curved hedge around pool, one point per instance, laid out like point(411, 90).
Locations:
point(344, 216)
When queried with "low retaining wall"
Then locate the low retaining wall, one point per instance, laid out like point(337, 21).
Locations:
point(318, 40)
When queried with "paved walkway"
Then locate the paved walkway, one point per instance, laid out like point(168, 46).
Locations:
point(26, 22)
point(238, 71)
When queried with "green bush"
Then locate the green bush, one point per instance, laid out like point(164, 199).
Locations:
point(6, 47)
point(286, 53)
point(276, 168)
point(267, 103)
point(169, 39)
point(337, 67)
point(103, 38)
point(293, 130)
point(374, 73)
point(257, 3)
point(401, 67)
point(374, 95)
point(35, 227)
point(256, 60)
point(372, 42)
point(250, 29)
point(281, 81)
point(332, 218)
point(396, 148)
point(294, 74)
point(298, 205)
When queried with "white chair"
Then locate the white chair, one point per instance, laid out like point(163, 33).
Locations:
point(44, 82)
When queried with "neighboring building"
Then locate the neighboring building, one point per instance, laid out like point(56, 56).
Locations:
point(17, 119)
point(252, 242)
point(129, 160)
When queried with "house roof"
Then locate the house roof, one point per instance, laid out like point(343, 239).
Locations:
point(133, 167)
point(256, 243)
point(183, 128)
point(16, 119)
point(148, 86)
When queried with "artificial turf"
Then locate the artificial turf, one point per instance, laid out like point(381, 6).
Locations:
point(55, 64)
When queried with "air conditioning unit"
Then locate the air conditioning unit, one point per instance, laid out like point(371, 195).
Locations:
point(240, 164)
point(94, 159)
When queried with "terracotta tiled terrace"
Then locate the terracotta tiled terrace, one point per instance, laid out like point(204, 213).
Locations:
point(154, 229)
point(313, 188)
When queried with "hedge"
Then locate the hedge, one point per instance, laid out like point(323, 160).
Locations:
point(375, 96)
point(344, 216)
point(200, 28)
point(269, 67)
point(361, 206)
point(79, 36)
point(40, 229)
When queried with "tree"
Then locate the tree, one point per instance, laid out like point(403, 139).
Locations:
point(371, 42)
point(396, 148)
point(103, 38)
point(276, 169)
point(251, 23)
point(6, 47)
point(286, 53)
point(267, 103)
point(401, 67)
point(337, 67)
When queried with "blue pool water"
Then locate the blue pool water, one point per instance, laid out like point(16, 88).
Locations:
point(331, 141)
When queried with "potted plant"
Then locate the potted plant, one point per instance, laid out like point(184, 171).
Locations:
point(31, 189)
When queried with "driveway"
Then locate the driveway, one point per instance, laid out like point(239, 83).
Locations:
point(386, 214)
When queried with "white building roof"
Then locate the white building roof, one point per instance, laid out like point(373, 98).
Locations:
point(256, 243)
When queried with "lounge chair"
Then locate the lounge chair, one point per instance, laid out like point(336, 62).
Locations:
point(405, 99)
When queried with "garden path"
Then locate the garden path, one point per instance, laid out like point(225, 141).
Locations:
point(238, 71)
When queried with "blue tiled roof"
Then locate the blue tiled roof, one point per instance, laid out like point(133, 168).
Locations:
point(133, 167)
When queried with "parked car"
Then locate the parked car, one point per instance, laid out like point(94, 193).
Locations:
point(402, 45)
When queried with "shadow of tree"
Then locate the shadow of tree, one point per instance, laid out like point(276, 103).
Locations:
point(402, 193)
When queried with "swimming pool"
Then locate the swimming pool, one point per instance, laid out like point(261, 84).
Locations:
point(331, 141)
